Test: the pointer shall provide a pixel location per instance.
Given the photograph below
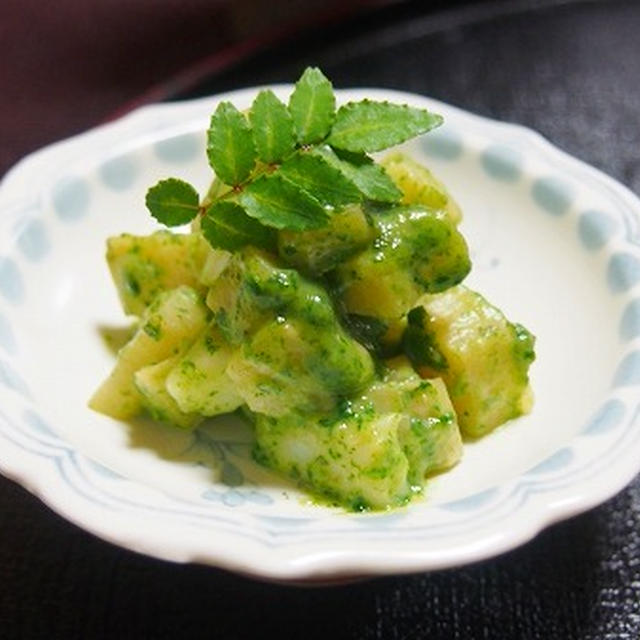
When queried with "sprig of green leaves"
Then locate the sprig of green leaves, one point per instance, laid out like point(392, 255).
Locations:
point(290, 166)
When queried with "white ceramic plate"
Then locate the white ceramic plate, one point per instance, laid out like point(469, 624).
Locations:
point(554, 243)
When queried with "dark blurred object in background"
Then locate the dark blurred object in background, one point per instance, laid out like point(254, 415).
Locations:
point(67, 65)
point(70, 64)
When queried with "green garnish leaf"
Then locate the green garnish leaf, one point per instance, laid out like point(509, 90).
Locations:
point(312, 106)
point(173, 202)
point(276, 202)
point(226, 226)
point(230, 145)
point(370, 178)
point(317, 177)
point(272, 127)
point(372, 126)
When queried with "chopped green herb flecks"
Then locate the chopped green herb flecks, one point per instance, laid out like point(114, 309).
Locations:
point(152, 330)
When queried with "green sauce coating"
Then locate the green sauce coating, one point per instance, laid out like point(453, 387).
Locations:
point(301, 343)
point(416, 250)
point(371, 452)
point(484, 358)
point(318, 251)
point(144, 266)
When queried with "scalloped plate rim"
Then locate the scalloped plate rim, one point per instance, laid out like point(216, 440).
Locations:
point(323, 563)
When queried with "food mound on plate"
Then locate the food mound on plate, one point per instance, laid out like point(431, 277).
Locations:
point(318, 293)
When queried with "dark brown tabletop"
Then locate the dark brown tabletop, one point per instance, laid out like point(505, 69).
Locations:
point(569, 69)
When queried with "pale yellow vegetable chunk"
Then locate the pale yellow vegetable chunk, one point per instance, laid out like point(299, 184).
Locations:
point(416, 250)
point(429, 430)
point(199, 382)
point(169, 325)
point(235, 292)
point(291, 365)
point(151, 383)
point(358, 460)
point(144, 266)
point(372, 452)
point(482, 357)
point(216, 262)
point(419, 185)
point(317, 251)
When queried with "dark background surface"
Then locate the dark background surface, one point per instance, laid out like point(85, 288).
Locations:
point(571, 70)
